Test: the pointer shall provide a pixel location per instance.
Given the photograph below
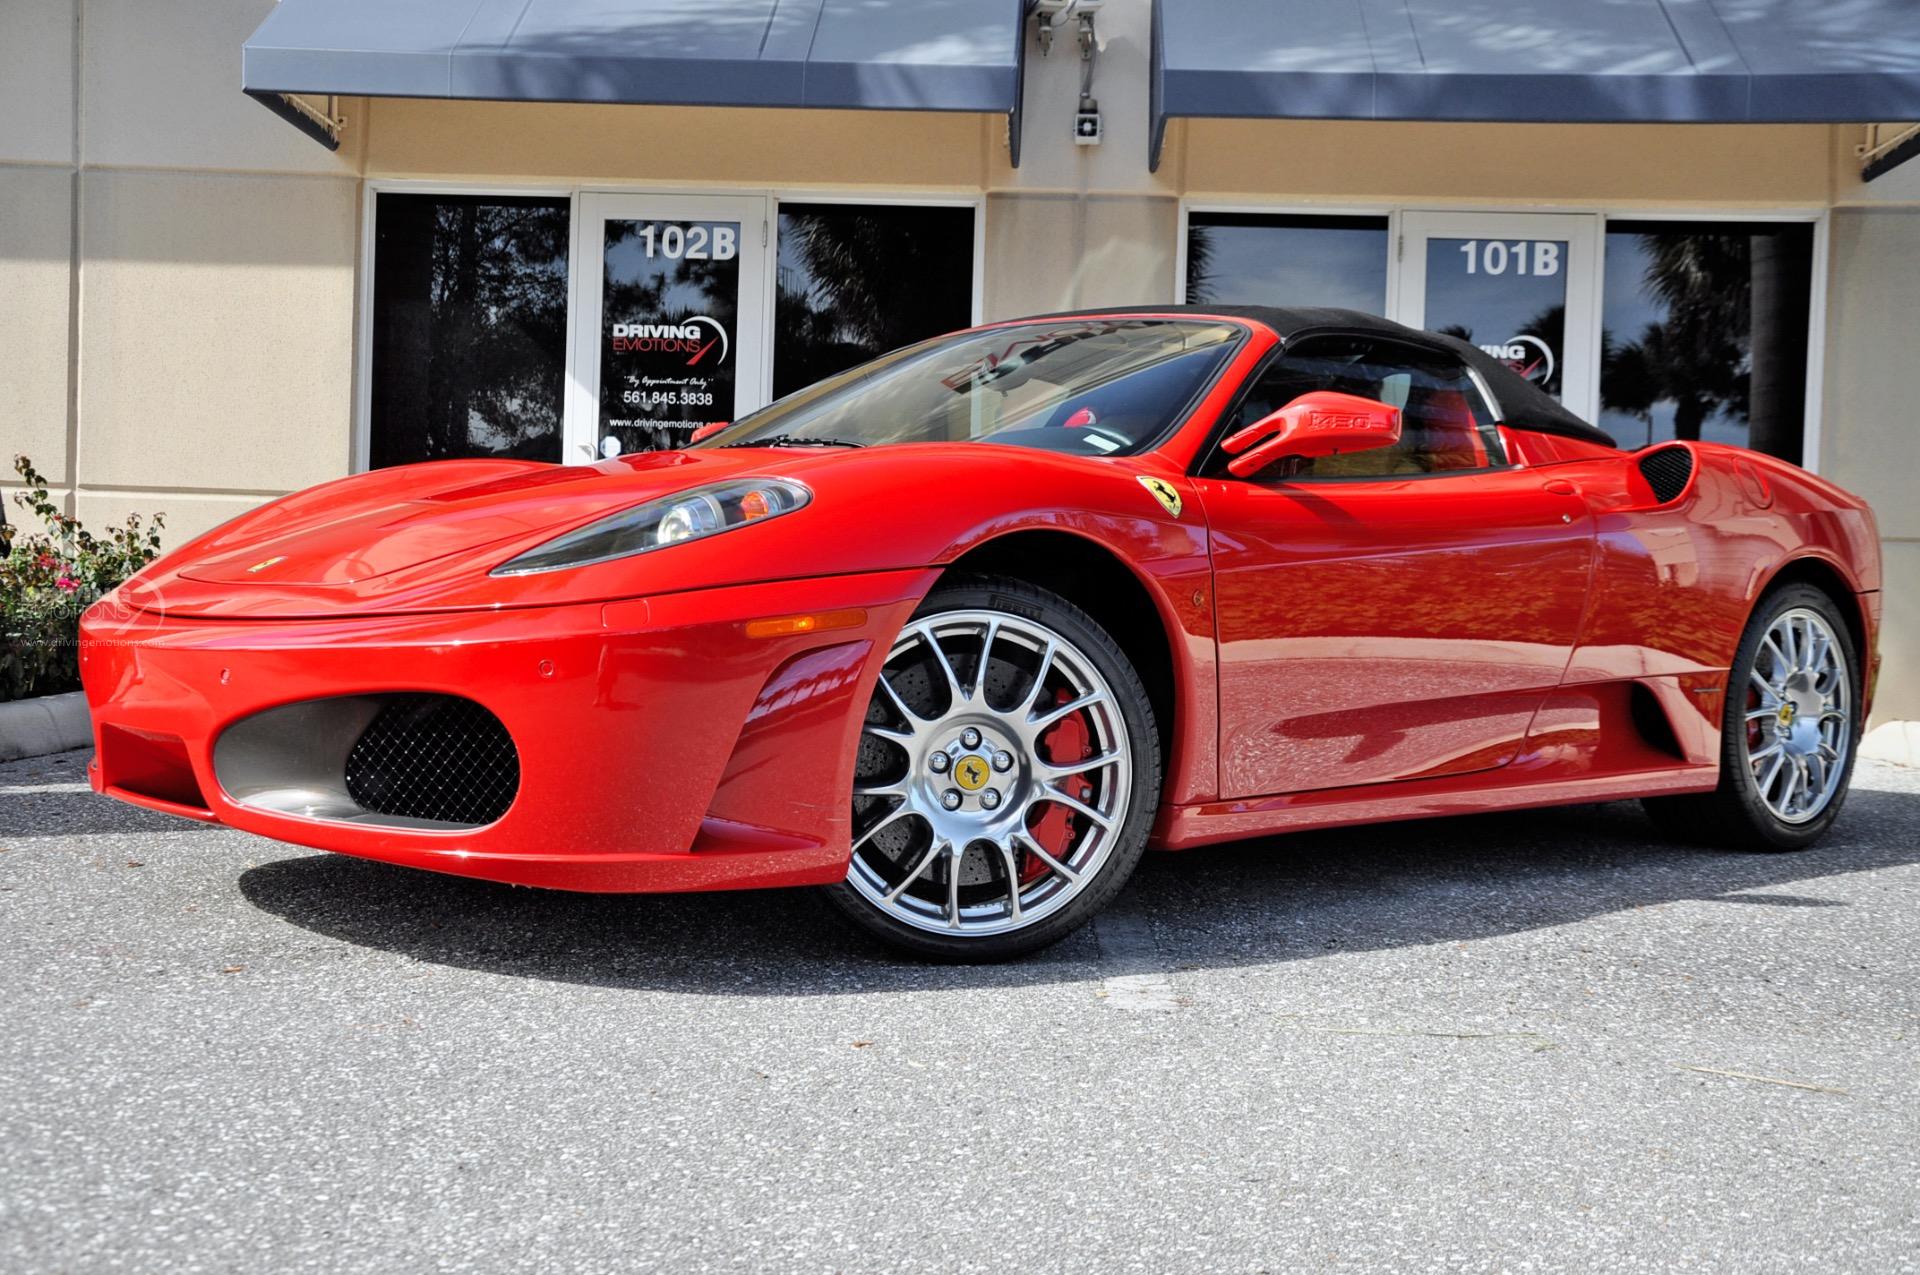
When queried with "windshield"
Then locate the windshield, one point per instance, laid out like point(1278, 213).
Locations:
point(1091, 387)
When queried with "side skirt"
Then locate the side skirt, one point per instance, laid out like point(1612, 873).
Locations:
point(1511, 788)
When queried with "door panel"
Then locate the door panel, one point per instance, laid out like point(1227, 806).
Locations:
point(670, 299)
point(1384, 630)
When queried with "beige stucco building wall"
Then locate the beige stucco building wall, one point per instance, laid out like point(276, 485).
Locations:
point(177, 265)
point(179, 268)
point(1870, 442)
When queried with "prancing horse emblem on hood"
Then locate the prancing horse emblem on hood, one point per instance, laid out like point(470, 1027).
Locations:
point(1163, 492)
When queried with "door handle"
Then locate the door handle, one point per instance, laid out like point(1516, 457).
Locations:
point(1560, 487)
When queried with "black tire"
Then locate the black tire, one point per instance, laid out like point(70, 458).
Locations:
point(1017, 598)
point(1735, 815)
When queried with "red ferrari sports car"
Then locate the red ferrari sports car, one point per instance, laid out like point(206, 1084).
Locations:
point(957, 634)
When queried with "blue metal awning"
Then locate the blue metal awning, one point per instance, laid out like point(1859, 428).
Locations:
point(1546, 61)
point(927, 55)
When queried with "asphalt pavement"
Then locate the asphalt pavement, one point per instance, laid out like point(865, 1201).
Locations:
point(1529, 1042)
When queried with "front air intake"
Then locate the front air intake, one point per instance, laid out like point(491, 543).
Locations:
point(391, 760)
point(1667, 470)
point(438, 758)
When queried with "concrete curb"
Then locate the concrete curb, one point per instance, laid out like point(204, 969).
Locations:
point(48, 724)
point(1897, 742)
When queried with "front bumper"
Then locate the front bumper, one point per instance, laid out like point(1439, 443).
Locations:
point(661, 747)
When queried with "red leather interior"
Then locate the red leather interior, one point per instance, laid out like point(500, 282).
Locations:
point(1445, 435)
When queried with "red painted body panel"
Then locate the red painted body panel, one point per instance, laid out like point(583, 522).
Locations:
point(1396, 629)
point(1341, 651)
point(639, 725)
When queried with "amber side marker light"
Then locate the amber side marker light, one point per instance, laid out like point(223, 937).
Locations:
point(814, 622)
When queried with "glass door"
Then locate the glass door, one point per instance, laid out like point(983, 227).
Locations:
point(669, 320)
point(1521, 286)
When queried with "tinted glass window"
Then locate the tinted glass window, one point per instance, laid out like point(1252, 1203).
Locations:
point(855, 281)
point(1704, 333)
point(1093, 387)
point(469, 327)
point(1249, 259)
point(1444, 424)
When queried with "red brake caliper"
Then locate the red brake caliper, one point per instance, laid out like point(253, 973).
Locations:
point(1066, 741)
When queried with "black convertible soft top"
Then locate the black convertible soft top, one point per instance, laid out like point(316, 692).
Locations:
point(1520, 402)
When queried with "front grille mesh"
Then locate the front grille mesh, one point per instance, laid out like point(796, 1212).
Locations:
point(1667, 470)
point(435, 757)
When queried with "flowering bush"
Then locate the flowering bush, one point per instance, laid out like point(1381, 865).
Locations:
point(48, 577)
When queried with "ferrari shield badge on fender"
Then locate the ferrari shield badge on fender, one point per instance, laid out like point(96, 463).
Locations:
point(1163, 492)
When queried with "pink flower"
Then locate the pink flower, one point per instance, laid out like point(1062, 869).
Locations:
point(66, 583)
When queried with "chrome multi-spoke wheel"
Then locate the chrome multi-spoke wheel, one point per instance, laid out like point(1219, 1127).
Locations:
point(998, 782)
point(1789, 730)
point(1799, 720)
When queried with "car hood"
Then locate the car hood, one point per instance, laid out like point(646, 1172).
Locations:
point(426, 537)
point(401, 535)
point(363, 536)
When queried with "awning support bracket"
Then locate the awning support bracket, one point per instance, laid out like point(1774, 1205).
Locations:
point(323, 127)
point(1887, 147)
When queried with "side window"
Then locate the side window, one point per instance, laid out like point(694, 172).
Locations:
point(1446, 425)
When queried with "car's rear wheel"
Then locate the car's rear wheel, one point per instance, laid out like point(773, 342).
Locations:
point(1789, 732)
point(1008, 774)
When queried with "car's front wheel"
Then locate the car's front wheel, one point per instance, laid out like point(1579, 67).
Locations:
point(1788, 737)
point(1008, 774)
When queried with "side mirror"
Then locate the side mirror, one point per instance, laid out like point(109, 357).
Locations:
point(1323, 423)
point(708, 430)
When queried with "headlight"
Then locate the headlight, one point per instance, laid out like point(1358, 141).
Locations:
point(688, 515)
point(689, 519)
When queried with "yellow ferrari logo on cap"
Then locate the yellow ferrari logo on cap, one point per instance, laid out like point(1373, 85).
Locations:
point(970, 773)
point(1163, 492)
point(262, 566)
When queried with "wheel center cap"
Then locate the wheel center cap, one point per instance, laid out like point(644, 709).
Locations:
point(1787, 714)
point(971, 773)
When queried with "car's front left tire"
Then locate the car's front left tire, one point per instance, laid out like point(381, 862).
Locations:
point(1008, 775)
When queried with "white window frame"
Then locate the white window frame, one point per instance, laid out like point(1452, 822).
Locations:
point(1819, 218)
point(361, 447)
point(753, 363)
point(1584, 266)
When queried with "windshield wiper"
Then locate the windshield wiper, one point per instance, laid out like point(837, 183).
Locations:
point(794, 440)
